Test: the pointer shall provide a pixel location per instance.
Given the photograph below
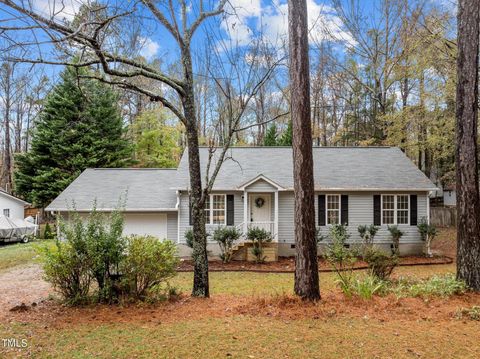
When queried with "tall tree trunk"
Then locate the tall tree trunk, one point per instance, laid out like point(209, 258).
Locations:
point(306, 270)
point(468, 198)
point(7, 163)
point(197, 196)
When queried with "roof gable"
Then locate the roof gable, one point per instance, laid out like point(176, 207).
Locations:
point(12, 197)
point(259, 178)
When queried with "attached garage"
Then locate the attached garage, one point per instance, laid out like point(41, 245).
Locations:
point(144, 196)
point(154, 224)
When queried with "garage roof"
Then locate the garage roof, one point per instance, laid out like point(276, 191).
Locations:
point(134, 189)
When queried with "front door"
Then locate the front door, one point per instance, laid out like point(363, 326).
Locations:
point(260, 207)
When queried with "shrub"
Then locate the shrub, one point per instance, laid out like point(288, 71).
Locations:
point(148, 263)
point(66, 264)
point(368, 286)
point(89, 249)
point(428, 233)
point(367, 233)
point(105, 249)
point(396, 234)
point(380, 264)
point(341, 258)
point(48, 233)
point(225, 237)
point(189, 237)
point(258, 236)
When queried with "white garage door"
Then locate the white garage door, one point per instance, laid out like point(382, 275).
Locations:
point(154, 224)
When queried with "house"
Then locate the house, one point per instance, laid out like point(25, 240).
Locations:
point(11, 206)
point(254, 188)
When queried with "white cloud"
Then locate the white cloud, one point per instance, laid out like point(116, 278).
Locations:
point(60, 9)
point(148, 47)
point(248, 16)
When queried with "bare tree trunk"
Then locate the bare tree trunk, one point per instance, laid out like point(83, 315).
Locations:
point(468, 198)
point(7, 163)
point(200, 259)
point(306, 269)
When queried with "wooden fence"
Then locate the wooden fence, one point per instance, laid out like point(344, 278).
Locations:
point(443, 216)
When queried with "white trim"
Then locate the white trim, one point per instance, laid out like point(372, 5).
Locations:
point(129, 210)
point(328, 189)
point(275, 198)
point(395, 209)
point(245, 211)
point(259, 177)
point(428, 209)
point(339, 208)
point(211, 209)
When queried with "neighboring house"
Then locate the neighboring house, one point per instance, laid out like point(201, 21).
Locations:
point(11, 206)
point(254, 188)
point(449, 196)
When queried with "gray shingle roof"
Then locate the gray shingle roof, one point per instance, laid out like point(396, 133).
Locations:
point(342, 168)
point(144, 189)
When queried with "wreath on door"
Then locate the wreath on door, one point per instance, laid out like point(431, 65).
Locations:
point(259, 202)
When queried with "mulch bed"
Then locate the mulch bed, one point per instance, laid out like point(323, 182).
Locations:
point(287, 265)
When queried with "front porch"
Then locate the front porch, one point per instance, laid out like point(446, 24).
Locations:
point(260, 210)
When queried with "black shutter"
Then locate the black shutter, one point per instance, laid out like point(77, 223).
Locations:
point(321, 210)
point(230, 210)
point(344, 210)
point(377, 215)
point(190, 219)
point(413, 210)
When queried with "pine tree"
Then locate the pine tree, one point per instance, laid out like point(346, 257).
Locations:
point(80, 127)
point(286, 138)
point(271, 136)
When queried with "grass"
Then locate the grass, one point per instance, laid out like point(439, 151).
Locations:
point(12, 255)
point(250, 337)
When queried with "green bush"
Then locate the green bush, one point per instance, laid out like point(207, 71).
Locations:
point(396, 234)
point(66, 266)
point(189, 237)
point(368, 286)
point(105, 249)
point(380, 264)
point(225, 237)
point(148, 263)
point(258, 236)
point(48, 233)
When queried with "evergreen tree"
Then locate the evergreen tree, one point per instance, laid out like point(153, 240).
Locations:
point(271, 136)
point(80, 127)
point(286, 138)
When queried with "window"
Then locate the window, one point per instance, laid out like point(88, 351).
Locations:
point(215, 209)
point(333, 209)
point(6, 212)
point(218, 210)
point(395, 209)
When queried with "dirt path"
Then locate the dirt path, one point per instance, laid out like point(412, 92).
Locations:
point(22, 285)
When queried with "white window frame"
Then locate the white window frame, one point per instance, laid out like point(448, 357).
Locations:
point(395, 209)
point(6, 212)
point(333, 210)
point(211, 210)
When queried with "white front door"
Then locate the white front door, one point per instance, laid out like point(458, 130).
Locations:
point(260, 207)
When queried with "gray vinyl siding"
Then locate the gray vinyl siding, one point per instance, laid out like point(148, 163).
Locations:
point(172, 226)
point(184, 214)
point(261, 185)
point(360, 211)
